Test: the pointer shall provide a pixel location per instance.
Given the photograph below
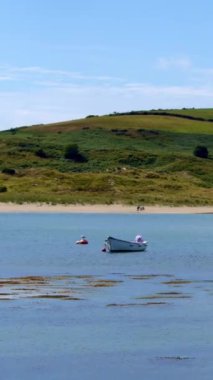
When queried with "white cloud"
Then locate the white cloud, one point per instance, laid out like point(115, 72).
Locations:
point(5, 78)
point(71, 102)
point(181, 63)
point(203, 75)
point(48, 95)
point(169, 90)
point(37, 74)
point(181, 66)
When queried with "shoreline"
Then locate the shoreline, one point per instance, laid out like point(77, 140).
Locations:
point(104, 209)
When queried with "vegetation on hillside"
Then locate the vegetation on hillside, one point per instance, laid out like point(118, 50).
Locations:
point(138, 157)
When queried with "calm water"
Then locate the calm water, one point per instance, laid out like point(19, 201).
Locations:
point(74, 312)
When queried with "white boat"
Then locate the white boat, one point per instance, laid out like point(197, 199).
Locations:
point(117, 245)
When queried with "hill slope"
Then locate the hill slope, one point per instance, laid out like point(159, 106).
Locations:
point(139, 157)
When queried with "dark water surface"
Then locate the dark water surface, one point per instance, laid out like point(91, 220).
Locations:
point(74, 312)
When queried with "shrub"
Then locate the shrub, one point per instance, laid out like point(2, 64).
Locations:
point(201, 151)
point(72, 153)
point(13, 131)
point(41, 153)
point(9, 171)
point(3, 189)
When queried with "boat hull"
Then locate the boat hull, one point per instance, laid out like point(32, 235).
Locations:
point(118, 245)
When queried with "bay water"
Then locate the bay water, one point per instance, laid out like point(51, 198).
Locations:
point(69, 311)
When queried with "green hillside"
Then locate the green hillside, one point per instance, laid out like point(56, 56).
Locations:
point(138, 157)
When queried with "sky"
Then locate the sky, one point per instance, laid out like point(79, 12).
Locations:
point(66, 59)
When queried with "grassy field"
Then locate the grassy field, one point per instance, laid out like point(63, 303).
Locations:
point(145, 157)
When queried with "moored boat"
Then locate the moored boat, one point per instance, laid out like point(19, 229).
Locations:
point(117, 245)
point(83, 240)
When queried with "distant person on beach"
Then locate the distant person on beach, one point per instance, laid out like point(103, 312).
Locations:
point(140, 208)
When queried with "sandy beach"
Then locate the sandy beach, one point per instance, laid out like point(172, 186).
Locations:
point(114, 208)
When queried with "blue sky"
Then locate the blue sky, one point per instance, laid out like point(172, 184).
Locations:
point(66, 59)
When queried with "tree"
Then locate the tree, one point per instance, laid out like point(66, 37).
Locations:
point(201, 151)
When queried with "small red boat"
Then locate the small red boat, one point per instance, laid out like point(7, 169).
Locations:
point(82, 240)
